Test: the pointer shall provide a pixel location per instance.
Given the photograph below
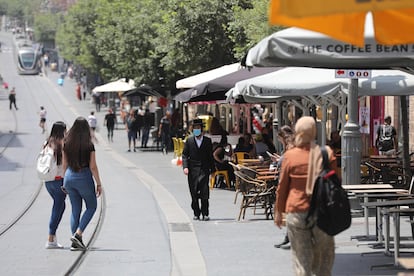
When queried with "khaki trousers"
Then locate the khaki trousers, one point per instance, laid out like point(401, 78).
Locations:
point(313, 251)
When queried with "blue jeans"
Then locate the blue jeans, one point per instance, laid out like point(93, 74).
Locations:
point(145, 136)
point(55, 191)
point(80, 186)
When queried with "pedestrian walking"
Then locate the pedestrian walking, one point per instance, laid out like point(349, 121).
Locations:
point(286, 137)
point(313, 250)
point(78, 91)
point(42, 123)
point(198, 164)
point(164, 132)
point(93, 122)
point(131, 127)
point(61, 78)
point(146, 126)
point(386, 141)
point(79, 161)
point(140, 121)
point(97, 100)
point(55, 141)
point(12, 98)
point(46, 59)
point(109, 122)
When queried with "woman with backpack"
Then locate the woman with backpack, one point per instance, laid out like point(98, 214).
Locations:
point(55, 142)
point(312, 249)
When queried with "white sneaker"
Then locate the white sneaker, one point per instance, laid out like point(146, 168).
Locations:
point(53, 245)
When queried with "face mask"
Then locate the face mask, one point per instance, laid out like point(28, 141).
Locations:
point(197, 132)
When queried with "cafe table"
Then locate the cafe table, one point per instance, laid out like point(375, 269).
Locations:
point(394, 210)
point(385, 203)
point(367, 186)
point(368, 191)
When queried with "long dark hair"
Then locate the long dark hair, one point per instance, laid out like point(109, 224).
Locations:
point(55, 139)
point(77, 144)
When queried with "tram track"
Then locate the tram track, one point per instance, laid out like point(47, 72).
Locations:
point(77, 263)
point(83, 254)
point(55, 104)
point(36, 192)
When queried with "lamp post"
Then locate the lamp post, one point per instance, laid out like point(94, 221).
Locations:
point(351, 135)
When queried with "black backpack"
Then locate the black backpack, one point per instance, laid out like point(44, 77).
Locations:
point(329, 203)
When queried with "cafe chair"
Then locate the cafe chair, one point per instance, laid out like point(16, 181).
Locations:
point(216, 174)
point(176, 146)
point(255, 194)
point(239, 155)
point(236, 182)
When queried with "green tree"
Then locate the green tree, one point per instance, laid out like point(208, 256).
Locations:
point(250, 25)
point(3, 7)
point(193, 36)
point(22, 10)
point(124, 37)
point(75, 37)
point(45, 26)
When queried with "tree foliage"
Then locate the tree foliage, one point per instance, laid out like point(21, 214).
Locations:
point(194, 35)
point(250, 25)
point(23, 11)
point(125, 33)
point(154, 42)
point(45, 26)
point(75, 36)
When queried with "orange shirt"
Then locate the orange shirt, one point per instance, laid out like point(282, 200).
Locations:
point(291, 191)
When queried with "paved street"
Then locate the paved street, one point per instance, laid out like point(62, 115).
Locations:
point(143, 225)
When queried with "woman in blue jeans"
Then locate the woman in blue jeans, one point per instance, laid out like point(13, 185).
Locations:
point(55, 141)
point(80, 177)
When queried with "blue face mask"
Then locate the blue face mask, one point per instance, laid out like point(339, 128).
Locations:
point(197, 132)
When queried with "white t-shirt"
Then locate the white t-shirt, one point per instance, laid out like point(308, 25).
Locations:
point(92, 121)
point(43, 114)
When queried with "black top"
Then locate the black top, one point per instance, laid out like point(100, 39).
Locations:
point(110, 119)
point(85, 156)
point(194, 156)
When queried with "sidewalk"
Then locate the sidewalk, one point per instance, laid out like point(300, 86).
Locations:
point(228, 245)
point(147, 227)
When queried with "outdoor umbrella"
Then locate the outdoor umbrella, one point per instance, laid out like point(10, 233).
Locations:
point(143, 90)
point(345, 20)
point(298, 47)
point(192, 81)
point(116, 86)
point(215, 89)
point(320, 85)
point(304, 81)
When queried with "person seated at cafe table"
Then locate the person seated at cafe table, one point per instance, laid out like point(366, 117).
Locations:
point(261, 147)
point(246, 144)
point(222, 153)
point(335, 142)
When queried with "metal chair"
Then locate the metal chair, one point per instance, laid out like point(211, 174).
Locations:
point(214, 176)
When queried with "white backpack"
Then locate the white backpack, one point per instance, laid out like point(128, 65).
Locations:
point(46, 165)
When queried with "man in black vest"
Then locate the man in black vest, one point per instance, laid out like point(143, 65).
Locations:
point(198, 164)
